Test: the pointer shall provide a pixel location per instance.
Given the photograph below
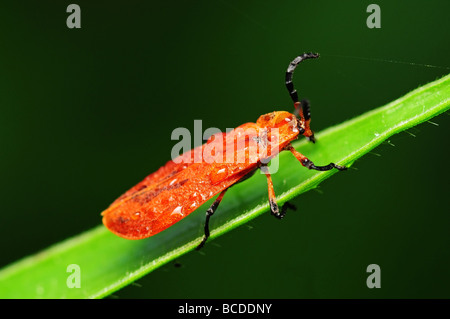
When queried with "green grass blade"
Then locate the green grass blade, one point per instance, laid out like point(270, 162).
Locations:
point(108, 262)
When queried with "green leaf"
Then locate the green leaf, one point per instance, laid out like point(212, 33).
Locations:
point(107, 262)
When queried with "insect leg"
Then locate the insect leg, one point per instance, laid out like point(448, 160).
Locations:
point(209, 213)
point(272, 198)
point(310, 165)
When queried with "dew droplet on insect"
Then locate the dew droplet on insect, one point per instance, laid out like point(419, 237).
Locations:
point(173, 181)
point(218, 174)
point(136, 215)
point(235, 169)
point(178, 210)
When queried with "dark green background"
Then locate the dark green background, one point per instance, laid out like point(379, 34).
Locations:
point(87, 113)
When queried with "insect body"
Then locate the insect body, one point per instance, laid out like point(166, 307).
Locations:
point(185, 183)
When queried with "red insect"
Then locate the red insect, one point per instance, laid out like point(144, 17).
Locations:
point(184, 184)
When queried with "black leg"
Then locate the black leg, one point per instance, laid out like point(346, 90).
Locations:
point(209, 213)
point(307, 163)
point(310, 165)
point(275, 211)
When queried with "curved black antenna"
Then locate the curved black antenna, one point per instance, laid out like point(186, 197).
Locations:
point(290, 73)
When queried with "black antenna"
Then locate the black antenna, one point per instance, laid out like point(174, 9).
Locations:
point(290, 73)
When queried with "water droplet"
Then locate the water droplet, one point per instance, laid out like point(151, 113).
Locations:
point(178, 210)
point(218, 174)
point(136, 215)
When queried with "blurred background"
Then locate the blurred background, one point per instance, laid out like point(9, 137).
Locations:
point(87, 113)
